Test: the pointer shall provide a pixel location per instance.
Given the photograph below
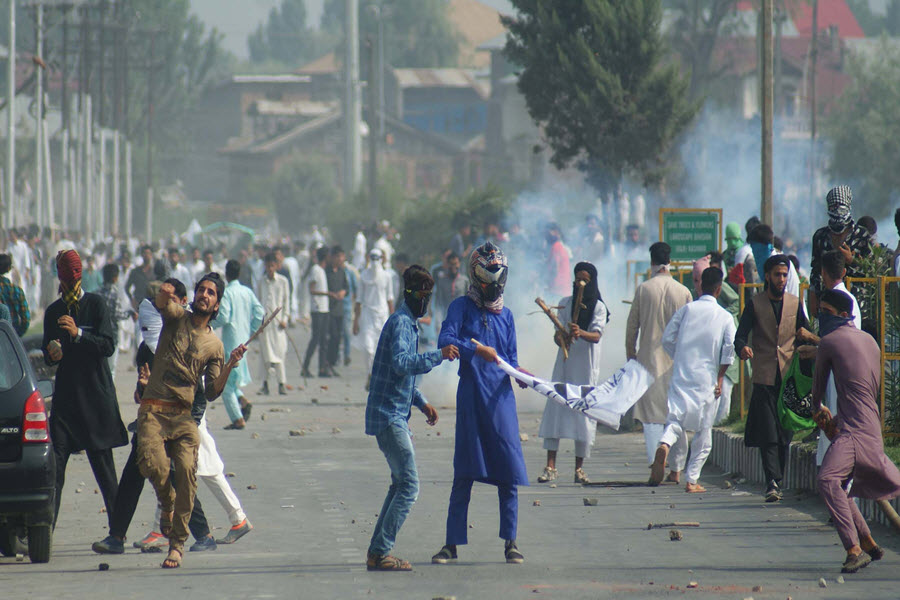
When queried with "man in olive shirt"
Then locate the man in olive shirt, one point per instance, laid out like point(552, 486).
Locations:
point(167, 433)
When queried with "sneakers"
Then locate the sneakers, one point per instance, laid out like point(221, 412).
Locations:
point(580, 477)
point(204, 544)
point(513, 556)
point(109, 545)
point(446, 554)
point(236, 532)
point(855, 562)
point(154, 539)
point(548, 475)
point(773, 492)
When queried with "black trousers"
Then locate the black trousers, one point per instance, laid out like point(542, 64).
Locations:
point(318, 341)
point(131, 485)
point(102, 465)
point(335, 336)
point(774, 459)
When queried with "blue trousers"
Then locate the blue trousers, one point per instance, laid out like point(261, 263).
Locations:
point(457, 515)
point(230, 396)
point(396, 444)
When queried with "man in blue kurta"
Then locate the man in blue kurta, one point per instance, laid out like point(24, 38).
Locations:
point(392, 394)
point(240, 314)
point(488, 449)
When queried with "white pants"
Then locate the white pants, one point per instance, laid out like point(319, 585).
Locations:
point(277, 367)
point(652, 434)
point(676, 438)
point(582, 449)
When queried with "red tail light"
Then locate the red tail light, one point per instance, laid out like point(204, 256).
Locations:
point(34, 423)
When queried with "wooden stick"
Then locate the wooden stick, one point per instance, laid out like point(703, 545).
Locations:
point(579, 297)
point(265, 324)
point(676, 524)
point(890, 513)
point(560, 330)
point(616, 484)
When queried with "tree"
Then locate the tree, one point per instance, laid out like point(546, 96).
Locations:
point(865, 133)
point(593, 78)
point(417, 33)
point(285, 37)
point(694, 32)
point(301, 192)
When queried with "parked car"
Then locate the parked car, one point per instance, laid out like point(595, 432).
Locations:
point(27, 465)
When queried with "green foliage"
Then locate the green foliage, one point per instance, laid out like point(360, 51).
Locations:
point(302, 193)
point(594, 79)
point(417, 33)
point(429, 222)
point(865, 133)
point(285, 37)
point(875, 24)
point(696, 27)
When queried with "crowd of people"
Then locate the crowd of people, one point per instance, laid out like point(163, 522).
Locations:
point(165, 310)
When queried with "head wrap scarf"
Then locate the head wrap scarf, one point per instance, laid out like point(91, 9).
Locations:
point(839, 200)
point(590, 297)
point(491, 256)
point(733, 238)
point(68, 268)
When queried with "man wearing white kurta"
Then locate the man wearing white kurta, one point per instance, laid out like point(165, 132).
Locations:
point(700, 340)
point(834, 269)
point(274, 292)
point(655, 301)
point(581, 368)
point(374, 305)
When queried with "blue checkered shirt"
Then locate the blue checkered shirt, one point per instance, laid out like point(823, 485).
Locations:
point(392, 386)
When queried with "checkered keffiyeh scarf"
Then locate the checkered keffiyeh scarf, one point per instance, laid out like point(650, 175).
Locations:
point(839, 200)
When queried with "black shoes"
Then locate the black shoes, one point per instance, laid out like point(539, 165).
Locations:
point(281, 390)
point(773, 492)
point(264, 390)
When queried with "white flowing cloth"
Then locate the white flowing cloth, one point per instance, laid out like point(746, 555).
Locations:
point(606, 402)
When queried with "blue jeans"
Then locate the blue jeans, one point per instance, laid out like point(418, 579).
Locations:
point(396, 444)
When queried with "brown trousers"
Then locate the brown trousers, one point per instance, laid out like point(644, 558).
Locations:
point(168, 436)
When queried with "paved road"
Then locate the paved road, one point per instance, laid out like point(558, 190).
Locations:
point(317, 495)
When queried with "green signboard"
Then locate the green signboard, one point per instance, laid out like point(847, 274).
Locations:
point(690, 232)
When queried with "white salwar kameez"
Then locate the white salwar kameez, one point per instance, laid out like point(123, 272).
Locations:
point(375, 291)
point(830, 389)
point(700, 339)
point(275, 293)
point(581, 368)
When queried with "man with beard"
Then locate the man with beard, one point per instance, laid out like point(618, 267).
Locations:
point(78, 338)
point(488, 449)
point(776, 320)
point(392, 394)
point(857, 449)
point(655, 301)
point(274, 293)
point(581, 368)
point(167, 433)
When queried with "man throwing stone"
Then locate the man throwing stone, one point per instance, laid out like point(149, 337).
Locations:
point(167, 433)
point(857, 449)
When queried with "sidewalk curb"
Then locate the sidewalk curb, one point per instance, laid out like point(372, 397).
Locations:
point(730, 455)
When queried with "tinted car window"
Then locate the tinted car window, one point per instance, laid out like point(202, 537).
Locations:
point(11, 370)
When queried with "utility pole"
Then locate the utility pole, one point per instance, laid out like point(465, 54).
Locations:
point(11, 118)
point(352, 116)
point(149, 215)
point(372, 119)
point(767, 212)
point(813, 59)
point(39, 116)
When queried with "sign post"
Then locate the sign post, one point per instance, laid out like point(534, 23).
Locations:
point(691, 232)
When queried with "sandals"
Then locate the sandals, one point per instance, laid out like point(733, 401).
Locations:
point(374, 562)
point(170, 562)
point(580, 477)
point(549, 474)
point(165, 523)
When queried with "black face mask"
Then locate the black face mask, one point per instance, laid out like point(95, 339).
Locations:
point(417, 301)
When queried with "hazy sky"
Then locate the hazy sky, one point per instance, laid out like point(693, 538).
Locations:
point(237, 18)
